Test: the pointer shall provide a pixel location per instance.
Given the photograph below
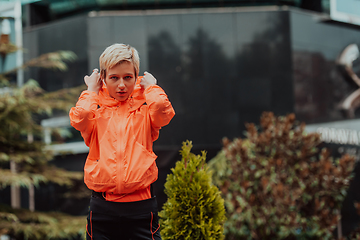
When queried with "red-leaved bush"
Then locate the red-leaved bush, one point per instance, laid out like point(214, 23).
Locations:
point(278, 184)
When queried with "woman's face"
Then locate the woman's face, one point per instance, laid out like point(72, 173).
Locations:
point(120, 80)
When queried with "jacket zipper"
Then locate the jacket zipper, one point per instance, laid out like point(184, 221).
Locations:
point(121, 146)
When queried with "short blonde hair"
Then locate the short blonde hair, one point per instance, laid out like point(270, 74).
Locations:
point(116, 54)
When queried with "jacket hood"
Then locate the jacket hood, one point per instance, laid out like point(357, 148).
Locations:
point(135, 100)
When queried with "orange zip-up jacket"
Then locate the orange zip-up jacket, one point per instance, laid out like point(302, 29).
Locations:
point(120, 138)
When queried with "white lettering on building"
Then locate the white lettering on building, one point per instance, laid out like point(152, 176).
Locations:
point(339, 136)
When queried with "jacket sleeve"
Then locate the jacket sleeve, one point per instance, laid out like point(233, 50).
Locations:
point(82, 116)
point(160, 108)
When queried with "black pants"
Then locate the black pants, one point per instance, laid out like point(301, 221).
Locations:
point(122, 221)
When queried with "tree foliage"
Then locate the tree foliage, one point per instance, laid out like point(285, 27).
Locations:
point(21, 109)
point(278, 184)
point(194, 209)
point(24, 224)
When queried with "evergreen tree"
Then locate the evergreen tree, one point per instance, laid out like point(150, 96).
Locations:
point(21, 143)
point(194, 209)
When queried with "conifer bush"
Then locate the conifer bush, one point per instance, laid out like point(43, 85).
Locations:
point(194, 209)
point(21, 109)
point(278, 184)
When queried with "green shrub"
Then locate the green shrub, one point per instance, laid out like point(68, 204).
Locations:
point(278, 184)
point(194, 209)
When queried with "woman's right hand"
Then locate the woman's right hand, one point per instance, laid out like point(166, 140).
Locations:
point(93, 82)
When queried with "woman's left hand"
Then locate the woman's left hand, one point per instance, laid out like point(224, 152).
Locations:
point(147, 80)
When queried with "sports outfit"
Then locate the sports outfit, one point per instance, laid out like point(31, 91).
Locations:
point(121, 166)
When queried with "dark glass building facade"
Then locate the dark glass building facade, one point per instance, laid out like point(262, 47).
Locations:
point(220, 67)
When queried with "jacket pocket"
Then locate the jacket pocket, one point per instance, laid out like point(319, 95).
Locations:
point(140, 167)
point(98, 172)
